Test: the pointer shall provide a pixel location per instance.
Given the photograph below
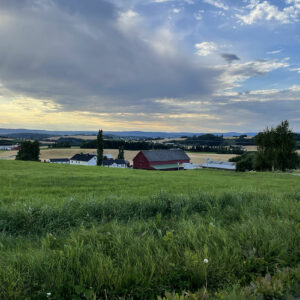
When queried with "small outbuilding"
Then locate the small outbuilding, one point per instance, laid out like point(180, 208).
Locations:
point(223, 165)
point(115, 163)
point(160, 160)
point(84, 159)
point(59, 160)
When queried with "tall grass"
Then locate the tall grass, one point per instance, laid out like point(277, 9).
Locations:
point(140, 249)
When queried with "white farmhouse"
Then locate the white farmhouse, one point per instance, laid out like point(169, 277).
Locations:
point(84, 159)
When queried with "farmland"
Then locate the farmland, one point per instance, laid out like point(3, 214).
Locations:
point(109, 233)
point(46, 153)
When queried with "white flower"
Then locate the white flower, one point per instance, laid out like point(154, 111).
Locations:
point(48, 294)
point(205, 260)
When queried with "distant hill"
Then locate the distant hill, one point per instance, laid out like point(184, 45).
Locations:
point(28, 133)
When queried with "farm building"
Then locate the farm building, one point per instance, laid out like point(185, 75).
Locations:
point(224, 165)
point(59, 161)
point(160, 159)
point(84, 159)
point(115, 163)
point(10, 147)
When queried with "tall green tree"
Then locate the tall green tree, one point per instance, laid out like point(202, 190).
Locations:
point(276, 148)
point(29, 151)
point(121, 153)
point(100, 146)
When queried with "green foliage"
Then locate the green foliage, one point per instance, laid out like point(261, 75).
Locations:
point(127, 145)
point(29, 151)
point(66, 230)
point(276, 149)
point(244, 162)
point(204, 140)
point(216, 149)
point(7, 142)
point(100, 148)
point(121, 153)
point(60, 145)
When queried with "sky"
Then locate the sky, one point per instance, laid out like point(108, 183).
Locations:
point(150, 65)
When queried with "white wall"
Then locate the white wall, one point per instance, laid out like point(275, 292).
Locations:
point(91, 162)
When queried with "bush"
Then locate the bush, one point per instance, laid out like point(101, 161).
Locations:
point(244, 162)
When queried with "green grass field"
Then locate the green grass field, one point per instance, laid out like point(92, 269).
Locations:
point(99, 233)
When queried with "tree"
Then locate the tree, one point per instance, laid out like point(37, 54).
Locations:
point(29, 151)
point(276, 149)
point(121, 153)
point(100, 147)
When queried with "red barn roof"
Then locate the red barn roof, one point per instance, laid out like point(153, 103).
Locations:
point(160, 159)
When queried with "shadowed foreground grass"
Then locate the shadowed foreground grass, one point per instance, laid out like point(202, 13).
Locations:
point(140, 246)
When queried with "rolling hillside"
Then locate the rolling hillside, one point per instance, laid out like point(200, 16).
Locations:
point(76, 232)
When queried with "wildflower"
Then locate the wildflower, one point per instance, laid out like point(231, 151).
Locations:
point(205, 260)
point(48, 294)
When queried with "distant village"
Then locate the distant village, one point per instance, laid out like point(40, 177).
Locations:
point(162, 160)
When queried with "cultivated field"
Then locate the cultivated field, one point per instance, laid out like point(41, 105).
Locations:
point(77, 232)
point(46, 153)
point(83, 137)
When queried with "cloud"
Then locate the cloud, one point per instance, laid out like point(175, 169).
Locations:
point(205, 48)
point(94, 57)
point(176, 10)
point(217, 3)
point(230, 57)
point(72, 64)
point(295, 70)
point(236, 73)
point(199, 15)
point(264, 11)
point(274, 52)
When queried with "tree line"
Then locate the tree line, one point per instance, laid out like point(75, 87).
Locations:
point(276, 150)
point(126, 145)
point(215, 149)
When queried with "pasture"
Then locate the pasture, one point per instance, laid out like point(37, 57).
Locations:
point(76, 232)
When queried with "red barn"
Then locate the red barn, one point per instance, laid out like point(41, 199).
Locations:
point(160, 159)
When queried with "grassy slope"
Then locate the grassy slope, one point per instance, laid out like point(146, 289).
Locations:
point(52, 184)
point(110, 233)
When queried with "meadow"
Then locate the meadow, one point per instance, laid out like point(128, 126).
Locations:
point(76, 232)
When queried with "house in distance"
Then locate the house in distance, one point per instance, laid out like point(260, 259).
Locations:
point(59, 161)
point(115, 163)
point(160, 160)
point(84, 159)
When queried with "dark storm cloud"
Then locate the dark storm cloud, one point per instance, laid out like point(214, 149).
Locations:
point(74, 52)
point(230, 57)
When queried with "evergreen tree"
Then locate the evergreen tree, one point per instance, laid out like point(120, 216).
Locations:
point(100, 146)
point(276, 149)
point(121, 153)
point(29, 151)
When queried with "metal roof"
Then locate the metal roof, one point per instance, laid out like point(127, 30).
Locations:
point(109, 162)
point(167, 166)
point(83, 157)
point(165, 155)
point(59, 160)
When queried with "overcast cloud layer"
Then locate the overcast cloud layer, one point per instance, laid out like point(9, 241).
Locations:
point(168, 65)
